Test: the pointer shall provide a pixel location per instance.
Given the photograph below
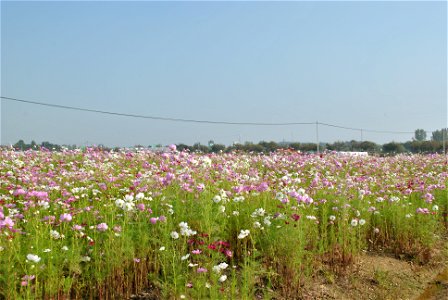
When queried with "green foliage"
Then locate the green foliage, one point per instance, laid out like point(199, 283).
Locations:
point(393, 148)
point(420, 135)
point(440, 135)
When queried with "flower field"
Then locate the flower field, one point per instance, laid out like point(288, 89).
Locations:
point(107, 225)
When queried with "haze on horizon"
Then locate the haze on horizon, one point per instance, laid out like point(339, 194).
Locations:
point(370, 65)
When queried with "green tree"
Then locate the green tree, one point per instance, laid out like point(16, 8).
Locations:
point(438, 135)
point(217, 148)
point(420, 135)
point(20, 145)
point(393, 147)
point(368, 146)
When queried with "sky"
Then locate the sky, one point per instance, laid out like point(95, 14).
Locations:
point(371, 65)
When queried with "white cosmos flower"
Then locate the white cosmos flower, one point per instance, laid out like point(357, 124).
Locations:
point(85, 258)
point(55, 235)
point(119, 203)
point(140, 196)
point(33, 258)
point(128, 198)
point(257, 224)
point(223, 266)
point(243, 233)
point(362, 222)
point(174, 235)
point(354, 222)
point(267, 221)
point(185, 257)
point(218, 268)
point(43, 204)
point(129, 206)
point(222, 278)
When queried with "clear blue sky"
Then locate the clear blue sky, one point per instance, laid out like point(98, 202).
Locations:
point(373, 65)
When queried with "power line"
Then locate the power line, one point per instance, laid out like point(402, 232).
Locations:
point(195, 120)
point(366, 130)
point(154, 117)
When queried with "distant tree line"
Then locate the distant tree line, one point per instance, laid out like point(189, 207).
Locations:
point(418, 144)
point(365, 146)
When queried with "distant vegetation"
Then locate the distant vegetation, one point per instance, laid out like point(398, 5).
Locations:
point(418, 144)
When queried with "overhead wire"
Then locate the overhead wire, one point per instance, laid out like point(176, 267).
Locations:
point(196, 120)
point(153, 117)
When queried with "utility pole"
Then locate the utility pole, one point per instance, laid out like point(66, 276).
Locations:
point(317, 136)
point(361, 135)
point(444, 132)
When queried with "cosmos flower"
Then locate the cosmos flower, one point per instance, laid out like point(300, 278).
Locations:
point(243, 234)
point(65, 218)
point(185, 257)
point(33, 258)
point(102, 227)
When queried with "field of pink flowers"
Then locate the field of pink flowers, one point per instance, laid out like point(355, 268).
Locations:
point(106, 225)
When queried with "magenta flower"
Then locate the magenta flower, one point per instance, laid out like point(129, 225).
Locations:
point(19, 192)
point(197, 251)
point(202, 270)
point(77, 227)
point(200, 187)
point(141, 207)
point(428, 198)
point(65, 217)
point(228, 253)
point(7, 222)
point(102, 227)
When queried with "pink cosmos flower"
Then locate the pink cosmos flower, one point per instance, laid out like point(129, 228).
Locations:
point(19, 192)
point(65, 217)
point(102, 227)
point(7, 222)
point(77, 227)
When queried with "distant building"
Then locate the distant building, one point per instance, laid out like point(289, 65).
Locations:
point(352, 153)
